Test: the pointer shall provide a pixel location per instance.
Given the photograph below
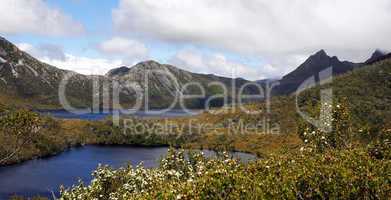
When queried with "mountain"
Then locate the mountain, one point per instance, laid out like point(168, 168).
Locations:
point(34, 82)
point(311, 67)
point(164, 82)
point(26, 81)
point(377, 56)
point(367, 91)
point(265, 81)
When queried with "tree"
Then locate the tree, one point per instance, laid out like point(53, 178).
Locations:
point(17, 129)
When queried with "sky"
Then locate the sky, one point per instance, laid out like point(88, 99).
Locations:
point(252, 39)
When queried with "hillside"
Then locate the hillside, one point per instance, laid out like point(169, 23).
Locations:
point(332, 165)
point(311, 67)
point(164, 82)
point(368, 93)
point(29, 82)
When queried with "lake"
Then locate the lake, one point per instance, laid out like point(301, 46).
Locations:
point(86, 115)
point(43, 176)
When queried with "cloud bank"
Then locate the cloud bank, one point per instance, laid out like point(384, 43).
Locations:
point(36, 17)
point(262, 27)
point(129, 50)
point(54, 55)
point(218, 64)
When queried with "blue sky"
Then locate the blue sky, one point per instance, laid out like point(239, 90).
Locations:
point(257, 38)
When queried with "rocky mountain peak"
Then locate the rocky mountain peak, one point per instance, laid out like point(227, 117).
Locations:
point(321, 53)
point(139, 67)
point(378, 54)
point(148, 65)
point(311, 67)
point(118, 71)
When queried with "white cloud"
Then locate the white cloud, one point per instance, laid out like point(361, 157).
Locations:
point(80, 64)
point(263, 27)
point(84, 65)
point(50, 51)
point(26, 47)
point(129, 50)
point(218, 64)
point(36, 17)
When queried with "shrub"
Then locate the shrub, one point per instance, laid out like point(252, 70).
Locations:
point(339, 133)
point(17, 130)
point(336, 174)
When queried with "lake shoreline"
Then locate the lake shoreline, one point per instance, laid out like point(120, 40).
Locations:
point(63, 133)
point(54, 154)
point(79, 146)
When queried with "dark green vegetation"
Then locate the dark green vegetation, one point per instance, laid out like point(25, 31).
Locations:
point(26, 135)
point(367, 93)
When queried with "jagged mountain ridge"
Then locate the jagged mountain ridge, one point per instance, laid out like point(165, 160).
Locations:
point(378, 56)
point(22, 76)
point(375, 56)
point(311, 67)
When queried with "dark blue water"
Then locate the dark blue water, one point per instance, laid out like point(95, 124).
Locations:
point(63, 114)
point(44, 176)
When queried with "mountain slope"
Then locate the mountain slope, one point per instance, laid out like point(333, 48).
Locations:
point(23, 76)
point(375, 56)
point(165, 82)
point(311, 67)
point(368, 94)
point(26, 81)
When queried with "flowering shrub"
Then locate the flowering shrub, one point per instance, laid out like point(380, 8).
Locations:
point(340, 128)
point(337, 174)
